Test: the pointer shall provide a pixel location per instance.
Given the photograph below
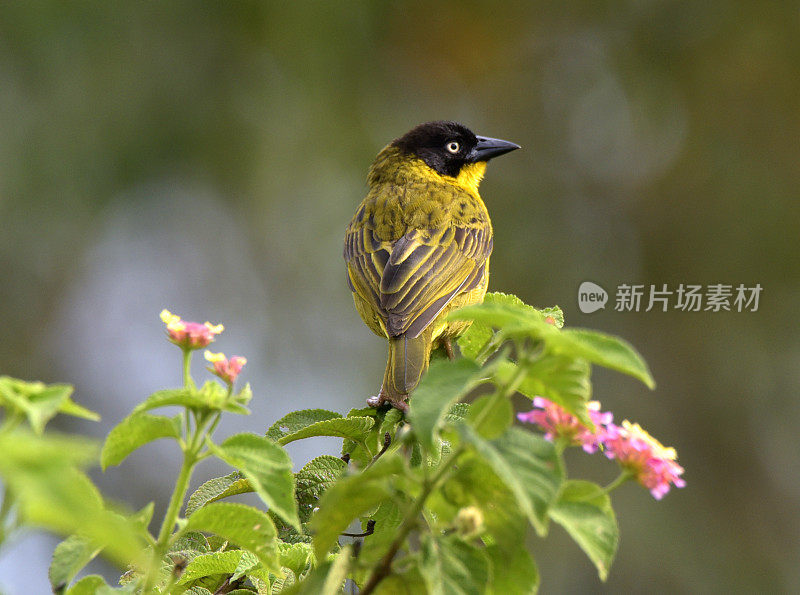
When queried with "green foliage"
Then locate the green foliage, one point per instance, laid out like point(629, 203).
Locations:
point(90, 585)
point(527, 465)
point(243, 525)
point(297, 420)
point(445, 383)
point(439, 500)
point(211, 397)
point(268, 470)
point(350, 497)
point(313, 479)
point(347, 427)
point(513, 571)
point(584, 510)
point(134, 431)
point(450, 565)
point(217, 489)
point(69, 557)
point(38, 403)
point(558, 378)
point(230, 562)
point(44, 478)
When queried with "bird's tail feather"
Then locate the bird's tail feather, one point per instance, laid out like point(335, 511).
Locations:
point(408, 361)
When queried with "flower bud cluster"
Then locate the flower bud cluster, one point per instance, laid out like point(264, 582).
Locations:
point(653, 465)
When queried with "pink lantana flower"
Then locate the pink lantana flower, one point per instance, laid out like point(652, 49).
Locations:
point(559, 423)
point(652, 464)
point(189, 335)
point(227, 369)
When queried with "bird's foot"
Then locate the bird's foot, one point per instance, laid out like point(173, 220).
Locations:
point(382, 398)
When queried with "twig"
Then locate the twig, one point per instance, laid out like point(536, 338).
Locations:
point(384, 566)
point(370, 530)
point(387, 442)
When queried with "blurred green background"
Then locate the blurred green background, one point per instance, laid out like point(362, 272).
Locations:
point(206, 157)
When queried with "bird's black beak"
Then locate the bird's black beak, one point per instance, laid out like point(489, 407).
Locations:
point(487, 148)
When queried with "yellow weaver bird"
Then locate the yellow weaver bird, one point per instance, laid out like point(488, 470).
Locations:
point(419, 245)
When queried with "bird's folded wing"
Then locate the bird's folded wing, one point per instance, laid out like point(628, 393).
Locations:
point(408, 282)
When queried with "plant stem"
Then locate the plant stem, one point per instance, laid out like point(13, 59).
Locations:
point(170, 518)
point(384, 566)
point(178, 494)
point(187, 374)
point(621, 478)
point(190, 459)
point(6, 522)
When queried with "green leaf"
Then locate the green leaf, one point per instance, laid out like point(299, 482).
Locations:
point(90, 585)
point(212, 396)
point(474, 339)
point(445, 383)
point(391, 418)
point(229, 562)
point(53, 493)
point(70, 407)
point(217, 489)
point(350, 497)
point(268, 469)
point(69, 558)
point(605, 350)
point(518, 320)
point(334, 581)
point(244, 396)
point(451, 566)
point(182, 397)
point(584, 510)
point(528, 465)
point(512, 572)
point(509, 314)
point(457, 413)
point(313, 479)
point(134, 431)
point(474, 482)
point(560, 379)
point(362, 449)
point(143, 517)
point(297, 420)
point(354, 428)
point(244, 525)
point(297, 557)
point(555, 313)
point(506, 308)
point(491, 415)
point(39, 403)
point(388, 517)
point(403, 582)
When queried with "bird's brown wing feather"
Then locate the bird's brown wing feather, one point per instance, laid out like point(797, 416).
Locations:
point(408, 282)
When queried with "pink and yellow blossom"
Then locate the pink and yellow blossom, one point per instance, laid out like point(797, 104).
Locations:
point(558, 423)
point(189, 335)
point(227, 369)
point(652, 464)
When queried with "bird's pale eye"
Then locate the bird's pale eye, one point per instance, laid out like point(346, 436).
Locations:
point(453, 146)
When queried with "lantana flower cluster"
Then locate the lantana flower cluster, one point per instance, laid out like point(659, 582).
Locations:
point(559, 423)
point(190, 336)
point(652, 464)
point(227, 369)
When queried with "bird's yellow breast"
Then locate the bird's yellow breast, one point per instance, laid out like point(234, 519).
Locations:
point(406, 194)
